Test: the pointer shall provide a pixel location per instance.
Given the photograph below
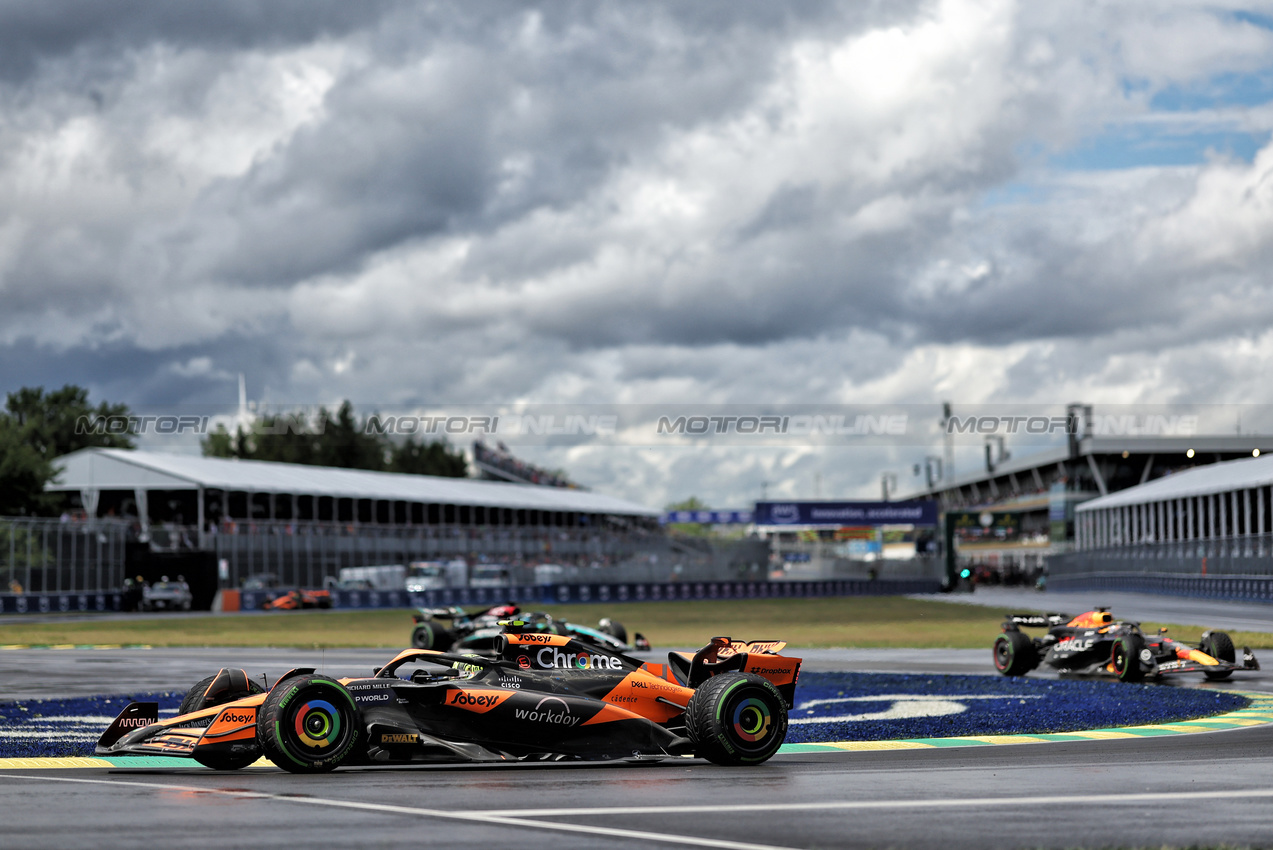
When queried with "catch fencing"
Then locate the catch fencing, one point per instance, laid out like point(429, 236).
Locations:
point(1238, 567)
point(52, 556)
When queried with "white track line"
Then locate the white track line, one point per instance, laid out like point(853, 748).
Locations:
point(939, 803)
point(495, 818)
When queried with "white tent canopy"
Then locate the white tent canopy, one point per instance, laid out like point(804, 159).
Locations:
point(1214, 502)
point(95, 470)
point(1207, 480)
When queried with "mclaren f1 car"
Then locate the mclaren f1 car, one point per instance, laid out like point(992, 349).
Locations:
point(545, 697)
point(455, 630)
point(295, 600)
point(1096, 643)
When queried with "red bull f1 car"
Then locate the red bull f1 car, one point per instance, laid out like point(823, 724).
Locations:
point(544, 697)
point(1096, 643)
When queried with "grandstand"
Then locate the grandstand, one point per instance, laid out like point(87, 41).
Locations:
point(1018, 511)
point(301, 523)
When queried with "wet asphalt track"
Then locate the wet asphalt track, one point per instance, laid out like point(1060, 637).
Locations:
point(1199, 789)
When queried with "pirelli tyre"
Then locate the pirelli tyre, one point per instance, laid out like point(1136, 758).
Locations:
point(613, 628)
point(1014, 654)
point(308, 724)
point(198, 697)
point(1125, 658)
point(1220, 647)
point(736, 718)
point(429, 635)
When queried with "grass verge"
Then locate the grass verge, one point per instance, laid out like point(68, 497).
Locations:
point(850, 621)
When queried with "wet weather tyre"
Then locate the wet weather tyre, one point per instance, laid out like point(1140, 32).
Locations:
point(309, 724)
point(1014, 654)
point(613, 628)
point(1220, 647)
point(194, 699)
point(1125, 657)
point(736, 718)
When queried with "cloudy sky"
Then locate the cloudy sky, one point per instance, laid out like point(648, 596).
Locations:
point(417, 205)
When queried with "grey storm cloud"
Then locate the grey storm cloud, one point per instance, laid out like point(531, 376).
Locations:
point(407, 203)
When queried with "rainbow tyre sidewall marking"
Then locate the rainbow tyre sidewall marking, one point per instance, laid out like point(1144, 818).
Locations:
point(752, 720)
point(748, 724)
point(317, 724)
point(316, 727)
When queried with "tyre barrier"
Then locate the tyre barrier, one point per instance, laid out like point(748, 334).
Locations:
point(557, 594)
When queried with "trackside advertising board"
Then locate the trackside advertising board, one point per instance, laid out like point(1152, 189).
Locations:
point(912, 512)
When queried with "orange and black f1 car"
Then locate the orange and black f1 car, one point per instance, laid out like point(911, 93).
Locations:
point(1096, 643)
point(295, 600)
point(544, 697)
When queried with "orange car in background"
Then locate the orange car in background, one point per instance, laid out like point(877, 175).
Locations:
point(296, 599)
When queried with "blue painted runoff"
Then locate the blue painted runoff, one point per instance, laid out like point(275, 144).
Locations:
point(888, 706)
point(828, 707)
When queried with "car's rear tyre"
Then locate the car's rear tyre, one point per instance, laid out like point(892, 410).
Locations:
point(428, 635)
point(736, 718)
point(1015, 654)
point(1125, 657)
point(308, 724)
point(422, 637)
point(1220, 647)
point(613, 628)
point(198, 698)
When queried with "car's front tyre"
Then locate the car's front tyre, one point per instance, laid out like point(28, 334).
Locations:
point(1125, 658)
point(1220, 647)
point(308, 724)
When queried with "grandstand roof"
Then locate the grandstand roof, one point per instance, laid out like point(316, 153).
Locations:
point(124, 469)
point(1199, 481)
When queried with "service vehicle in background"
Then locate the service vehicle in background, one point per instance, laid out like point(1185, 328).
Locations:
point(165, 595)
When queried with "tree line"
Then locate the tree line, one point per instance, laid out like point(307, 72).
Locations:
point(336, 438)
point(39, 426)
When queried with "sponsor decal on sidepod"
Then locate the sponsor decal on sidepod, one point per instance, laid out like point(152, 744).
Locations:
point(552, 657)
point(539, 714)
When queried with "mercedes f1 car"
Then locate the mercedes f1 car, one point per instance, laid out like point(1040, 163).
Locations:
point(455, 630)
point(1096, 643)
point(546, 697)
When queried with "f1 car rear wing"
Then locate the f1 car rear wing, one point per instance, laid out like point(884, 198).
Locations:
point(1037, 621)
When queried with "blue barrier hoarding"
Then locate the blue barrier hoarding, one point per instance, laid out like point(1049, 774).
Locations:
point(913, 512)
point(531, 595)
point(708, 517)
point(53, 603)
